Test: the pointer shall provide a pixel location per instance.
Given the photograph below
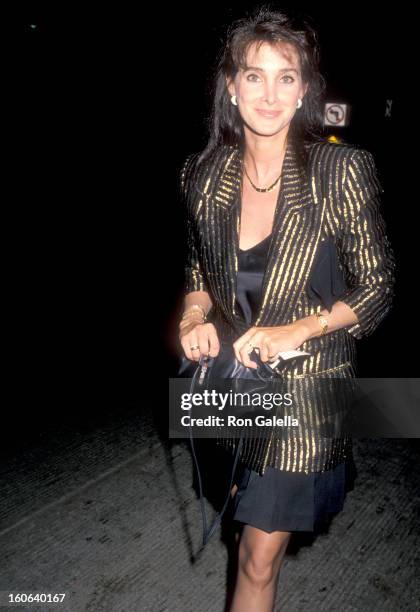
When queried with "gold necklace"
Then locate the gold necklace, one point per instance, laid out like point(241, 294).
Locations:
point(262, 189)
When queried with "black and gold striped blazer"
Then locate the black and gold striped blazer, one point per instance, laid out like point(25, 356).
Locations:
point(337, 197)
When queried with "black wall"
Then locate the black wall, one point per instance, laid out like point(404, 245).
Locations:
point(106, 106)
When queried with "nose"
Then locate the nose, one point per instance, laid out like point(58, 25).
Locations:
point(270, 94)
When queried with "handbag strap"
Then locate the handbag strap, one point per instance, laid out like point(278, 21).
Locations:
point(208, 532)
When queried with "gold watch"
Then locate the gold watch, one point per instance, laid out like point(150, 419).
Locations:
point(323, 323)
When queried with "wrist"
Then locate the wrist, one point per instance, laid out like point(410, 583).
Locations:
point(195, 319)
point(194, 309)
point(187, 327)
point(314, 325)
point(304, 328)
point(194, 314)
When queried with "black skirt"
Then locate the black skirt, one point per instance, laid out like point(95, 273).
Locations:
point(290, 501)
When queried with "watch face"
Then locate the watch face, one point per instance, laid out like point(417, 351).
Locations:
point(324, 323)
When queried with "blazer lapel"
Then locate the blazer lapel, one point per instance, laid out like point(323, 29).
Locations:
point(295, 235)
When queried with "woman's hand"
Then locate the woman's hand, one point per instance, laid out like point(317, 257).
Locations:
point(203, 335)
point(270, 341)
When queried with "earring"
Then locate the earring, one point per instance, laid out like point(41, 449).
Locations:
point(299, 104)
point(233, 100)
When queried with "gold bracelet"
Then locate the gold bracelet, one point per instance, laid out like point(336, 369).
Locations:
point(188, 320)
point(191, 317)
point(191, 309)
point(323, 323)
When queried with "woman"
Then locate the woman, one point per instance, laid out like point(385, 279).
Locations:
point(287, 250)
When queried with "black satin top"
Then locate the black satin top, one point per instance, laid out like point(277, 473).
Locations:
point(324, 287)
point(251, 266)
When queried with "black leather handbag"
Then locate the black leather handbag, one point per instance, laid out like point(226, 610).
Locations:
point(207, 373)
point(209, 370)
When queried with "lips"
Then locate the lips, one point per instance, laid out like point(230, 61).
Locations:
point(266, 113)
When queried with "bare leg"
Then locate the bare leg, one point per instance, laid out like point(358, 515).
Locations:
point(260, 557)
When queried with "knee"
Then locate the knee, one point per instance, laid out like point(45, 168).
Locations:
point(260, 571)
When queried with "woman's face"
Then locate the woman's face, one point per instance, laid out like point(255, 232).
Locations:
point(271, 82)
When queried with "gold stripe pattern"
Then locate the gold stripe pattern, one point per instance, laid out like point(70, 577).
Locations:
point(338, 195)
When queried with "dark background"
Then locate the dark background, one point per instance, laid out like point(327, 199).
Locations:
point(106, 105)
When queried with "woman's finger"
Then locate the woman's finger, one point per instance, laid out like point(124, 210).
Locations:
point(244, 353)
point(213, 341)
point(187, 342)
point(242, 341)
point(202, 339)
point(265, 350)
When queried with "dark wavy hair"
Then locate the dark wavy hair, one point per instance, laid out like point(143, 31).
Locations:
point(264, 24)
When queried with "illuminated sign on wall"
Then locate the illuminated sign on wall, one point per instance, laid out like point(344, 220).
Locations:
point(336, 114)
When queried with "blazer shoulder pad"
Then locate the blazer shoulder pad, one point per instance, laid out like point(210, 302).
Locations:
point(195, 172)
point(328, 147)
point(321, 154)
point(186, 172)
